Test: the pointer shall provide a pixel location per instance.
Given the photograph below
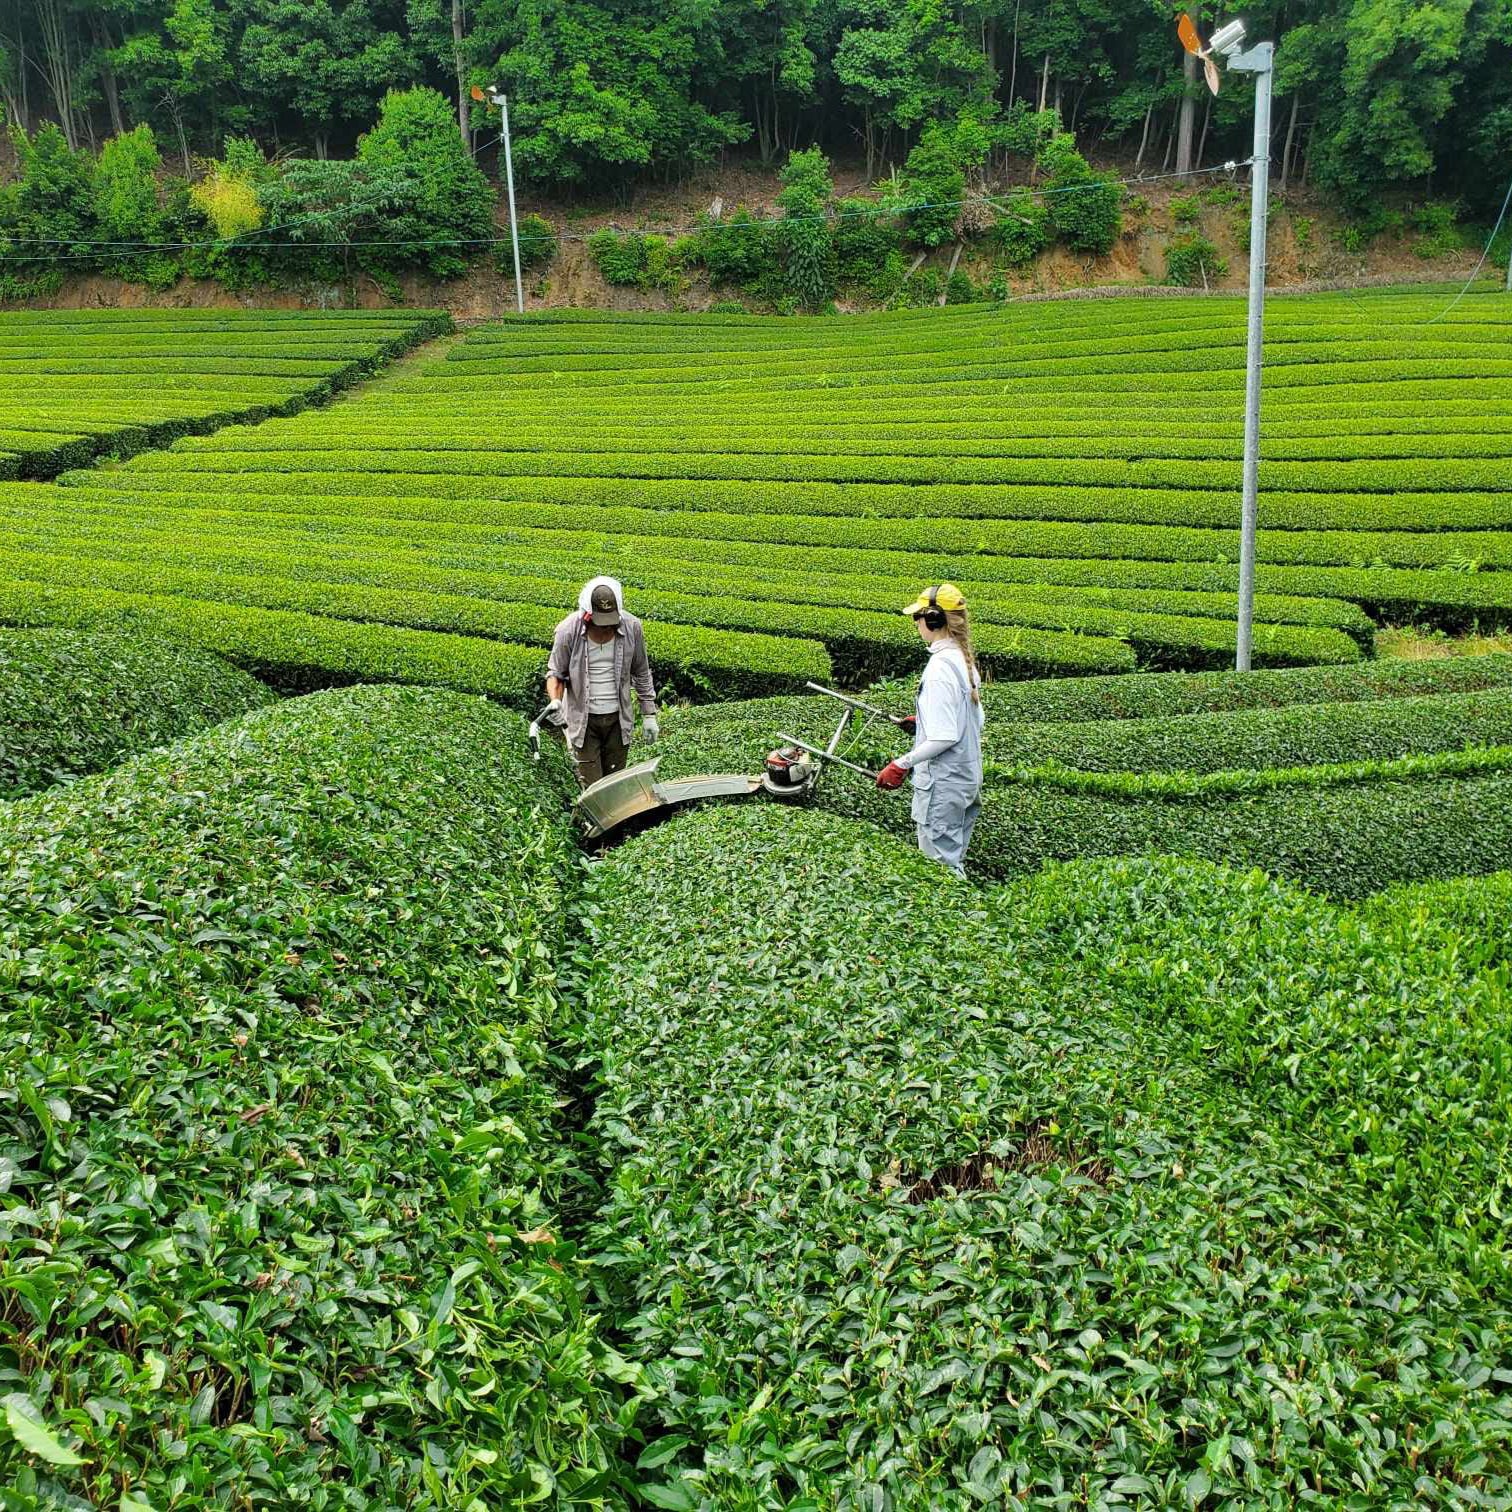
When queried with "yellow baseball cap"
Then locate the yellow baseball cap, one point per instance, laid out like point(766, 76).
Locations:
point(946, 596)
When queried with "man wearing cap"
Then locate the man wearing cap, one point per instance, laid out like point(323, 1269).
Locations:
point(597, 656)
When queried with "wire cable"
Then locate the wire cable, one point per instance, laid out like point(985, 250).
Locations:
point(1485, 253)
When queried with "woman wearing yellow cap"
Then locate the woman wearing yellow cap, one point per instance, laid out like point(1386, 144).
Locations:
point(946, 759)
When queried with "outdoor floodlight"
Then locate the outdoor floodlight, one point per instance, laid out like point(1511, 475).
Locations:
point(1227, 39)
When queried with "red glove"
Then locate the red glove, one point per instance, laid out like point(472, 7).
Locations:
point(891, 776)
point(909, 724)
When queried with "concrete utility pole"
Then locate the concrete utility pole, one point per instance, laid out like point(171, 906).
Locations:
point(1257, 60)
point(502, 101)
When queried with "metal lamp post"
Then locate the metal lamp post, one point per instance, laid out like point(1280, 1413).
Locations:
point(1258, 61)
point(502, 101)
point(1226, 42)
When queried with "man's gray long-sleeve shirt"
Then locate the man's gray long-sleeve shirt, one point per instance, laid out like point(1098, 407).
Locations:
point(569, 665)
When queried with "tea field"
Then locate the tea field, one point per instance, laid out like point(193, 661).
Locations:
point(771, 490)
point(78, 383)
point(365, 1145)
point(362, 1148)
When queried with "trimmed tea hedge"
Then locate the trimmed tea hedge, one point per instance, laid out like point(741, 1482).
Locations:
point(728, 665)
point(1080, 446)
point(277, 365)
point(1472, 913)
point(283, 1152)
point(73, 703)
point(1304, 735)
point(291, 652)
point(921, 1196)
point(1366, 812)
point(1456, 598)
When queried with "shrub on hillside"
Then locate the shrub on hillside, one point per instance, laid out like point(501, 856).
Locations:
point(922, 287)
point(885, 285)
point(866, 238)
point(48, 210)
point(619, 256)
point(932, 187)
point(347, 208)
point(227, 195)
point(1086, 208)
point(1437, 225)
point(630, 259)
point(1185, 209)
point(1023, 228)
point(538, 245)
point(1023, 131)
point(127, 209)
point(1192, 261)
point(805, 235)
point(739, 252)
point(959, 288)
point(446, 212)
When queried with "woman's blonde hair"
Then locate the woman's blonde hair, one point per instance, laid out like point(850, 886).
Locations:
point(957, 628)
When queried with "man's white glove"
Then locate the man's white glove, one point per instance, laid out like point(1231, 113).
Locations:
point(553, 706)
point(650, 729)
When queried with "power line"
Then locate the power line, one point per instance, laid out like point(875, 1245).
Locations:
point(1485, 253)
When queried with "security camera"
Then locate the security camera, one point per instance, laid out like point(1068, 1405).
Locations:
point(1227, 39)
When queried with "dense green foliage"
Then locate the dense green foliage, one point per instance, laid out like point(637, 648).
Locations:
point(75, 703)
point(411, 199)
point(275, 1030)
point(289, 650)
point(447, 212)
point(1023, 229)
point(1346, 779)
point(1193, 262)
point(1472, 912)
point(1141, 1182)
point(600, 93)
point(77, 384)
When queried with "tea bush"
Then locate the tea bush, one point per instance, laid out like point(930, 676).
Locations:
point(816, 472)
point(924, 1196)
point(276, 1022)
point(75, 703)
point(1347, 780)
point(203, 370)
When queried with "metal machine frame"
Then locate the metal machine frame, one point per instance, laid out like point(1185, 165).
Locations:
point(792, 773)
